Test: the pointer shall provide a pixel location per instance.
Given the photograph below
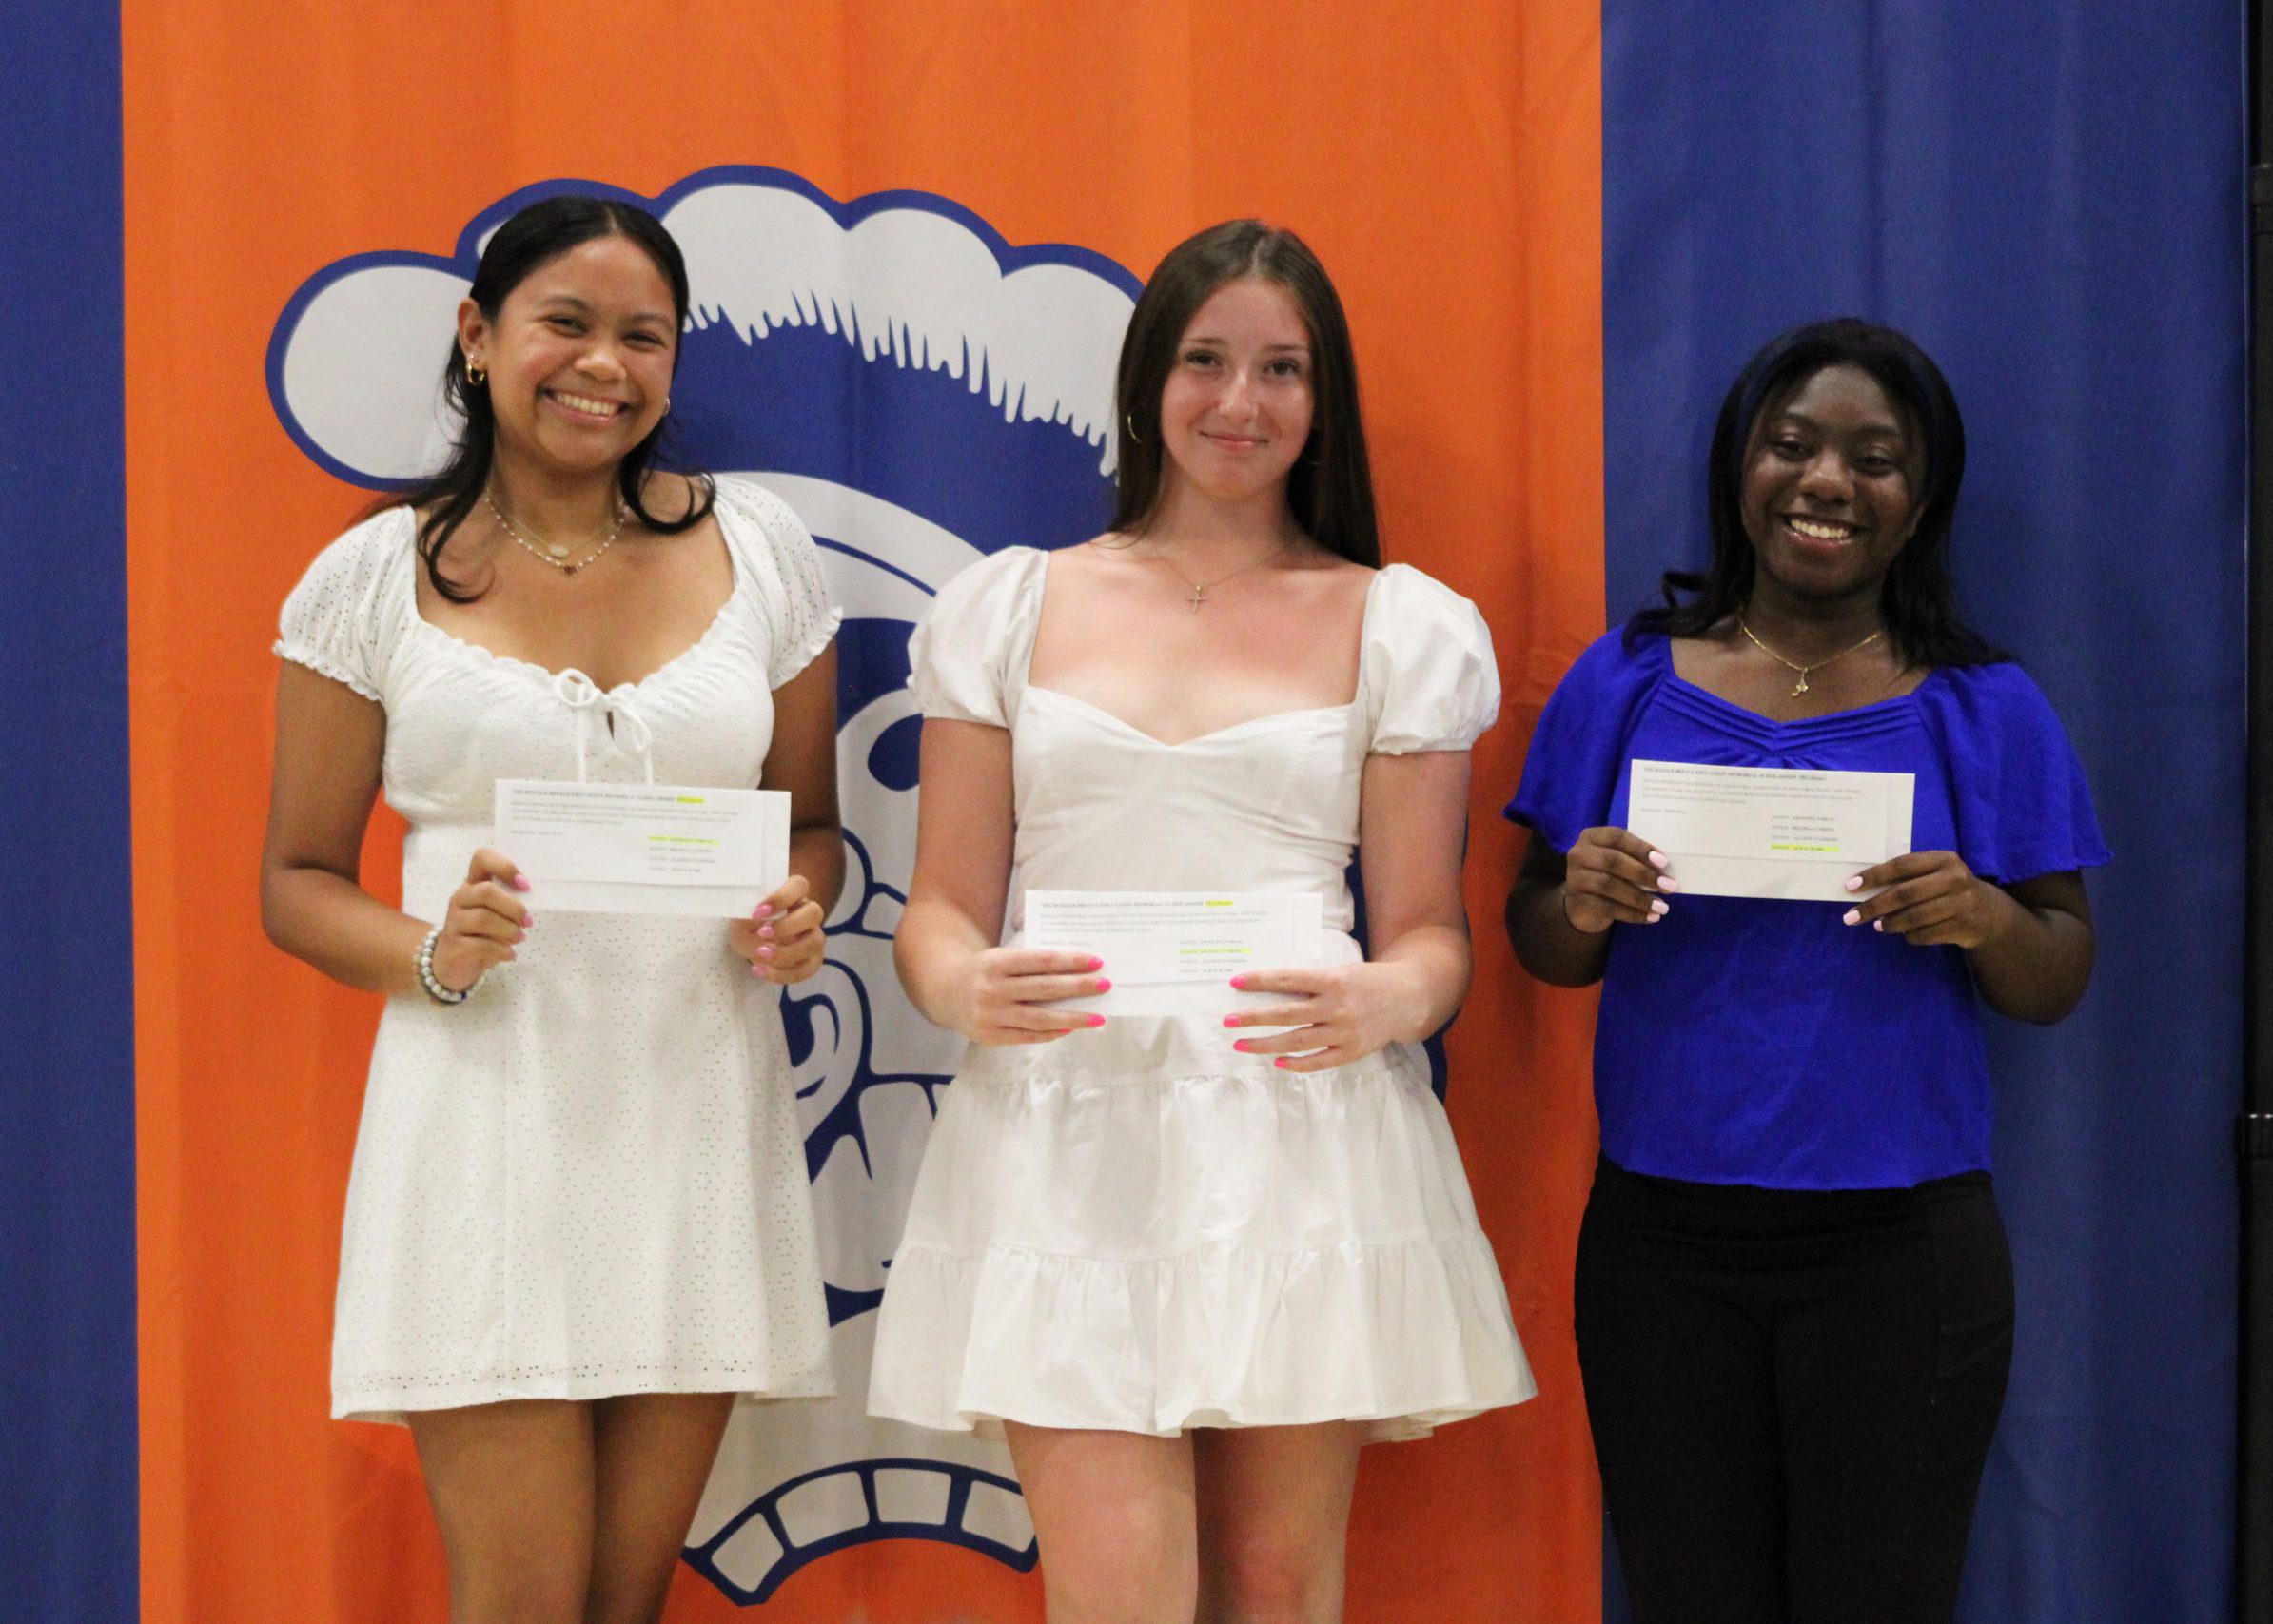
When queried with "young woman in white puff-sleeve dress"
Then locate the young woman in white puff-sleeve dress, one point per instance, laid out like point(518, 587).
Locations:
point(578, 1222)
point(1188, 1271)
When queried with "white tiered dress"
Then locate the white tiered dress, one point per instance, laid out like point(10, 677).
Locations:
point(1138, 1229)
point(588, 1178)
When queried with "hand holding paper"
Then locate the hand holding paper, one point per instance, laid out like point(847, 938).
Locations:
point(1614, 876)
point(1930, 899)
point(783, 939)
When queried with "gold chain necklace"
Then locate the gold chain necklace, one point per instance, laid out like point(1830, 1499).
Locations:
point(1802, 686)
point(555, 553)
point(1200, 590)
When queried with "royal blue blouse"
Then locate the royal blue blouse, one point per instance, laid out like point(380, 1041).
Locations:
point(1759, 1042)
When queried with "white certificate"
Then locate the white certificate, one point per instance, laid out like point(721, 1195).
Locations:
point(1175, 952)
point(1772, 831)
point(644, 847)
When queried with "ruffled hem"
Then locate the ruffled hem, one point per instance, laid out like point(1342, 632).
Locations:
point(300, 654)
point(391, 1400)
point(1404, 1335)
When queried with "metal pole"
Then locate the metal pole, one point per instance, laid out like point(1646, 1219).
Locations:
point(2254, 1138)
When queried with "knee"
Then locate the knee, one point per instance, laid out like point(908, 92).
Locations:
point(1269, 1579)
point(527, 1592)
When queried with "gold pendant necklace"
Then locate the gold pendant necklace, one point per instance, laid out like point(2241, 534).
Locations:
point(555, 553)
point(1802, 686)
point(1200, 591)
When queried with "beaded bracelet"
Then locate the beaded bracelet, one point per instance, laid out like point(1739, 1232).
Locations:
point(435, 989)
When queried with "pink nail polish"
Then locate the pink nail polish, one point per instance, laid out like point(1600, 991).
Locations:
point(1282, 1062)
point(1231, 1020)
point(765, 930)
point(1240, 1045)
point(765, 952)
point(520, 881)
point(1658, 859)
point(1667, 883)
point(1878, 925)
point(1239, 982)
point(1855, 883)
point(1103, 985)
point(1852, 916)
point(1096, 963)
point(528, 922)
point(1096, 1020)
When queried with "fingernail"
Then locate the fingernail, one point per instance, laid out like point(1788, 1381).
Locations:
point(1231, 1020)
point(1239, 982)
point(520, 881)
point(1096, 1020)
point(1240, 1045)
point(1878, 925)
point(1282, 1062)
point(1852, 916)
point(764, 930)
point(1103, 985)
point(765, 909)
point(1657, 909)
point(521, 935)
point(1658, 859)
point(765, 952)
point(528, 922)
point(1854, 883)
point(1096, 963)
point(1666, 882)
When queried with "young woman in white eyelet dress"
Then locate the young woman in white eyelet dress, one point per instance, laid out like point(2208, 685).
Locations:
point(578, 1222)
point(1190, 1264)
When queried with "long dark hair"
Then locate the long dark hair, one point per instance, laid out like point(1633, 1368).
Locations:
point(531, 238)
point(1330, 487)
point(1918, 599)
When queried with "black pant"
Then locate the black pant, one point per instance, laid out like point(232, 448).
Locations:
point(1792, 1392)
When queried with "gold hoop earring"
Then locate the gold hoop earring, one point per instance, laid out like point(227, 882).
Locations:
point(1128, 420)
point(476, 374)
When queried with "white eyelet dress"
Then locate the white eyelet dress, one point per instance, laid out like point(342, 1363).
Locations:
point(588, 1178)
point(1138, 1229)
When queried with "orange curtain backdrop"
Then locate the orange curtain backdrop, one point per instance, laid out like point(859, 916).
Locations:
point(1444, 162)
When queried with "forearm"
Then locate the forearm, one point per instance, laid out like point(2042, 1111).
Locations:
point(932, 949)
point(2035, 964)
point(1432, 963)
point(817, 854)
point(1546, 942)
point(330, 922)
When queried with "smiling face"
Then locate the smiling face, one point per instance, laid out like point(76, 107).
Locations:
point(1235, 411)
point(578, 358)
point(1830, 485)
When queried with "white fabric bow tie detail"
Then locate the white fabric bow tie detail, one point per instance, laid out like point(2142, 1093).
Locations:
point(618, 719)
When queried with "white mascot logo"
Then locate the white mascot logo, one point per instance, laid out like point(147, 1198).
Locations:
point(921, 393)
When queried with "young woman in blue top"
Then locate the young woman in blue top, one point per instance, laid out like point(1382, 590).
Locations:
point(1794, 1296)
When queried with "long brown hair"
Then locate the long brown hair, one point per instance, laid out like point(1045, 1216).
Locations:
point(1330, 488)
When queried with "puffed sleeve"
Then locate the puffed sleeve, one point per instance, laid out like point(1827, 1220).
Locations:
point(1578, 749)
point(966, 656)
point(2023, 808)
point(349, 609)
point(800, 618)
point(1430, 672)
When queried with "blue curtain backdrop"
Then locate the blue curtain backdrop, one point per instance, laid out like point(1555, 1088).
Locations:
point(68, 1543)
point(2047, 195)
